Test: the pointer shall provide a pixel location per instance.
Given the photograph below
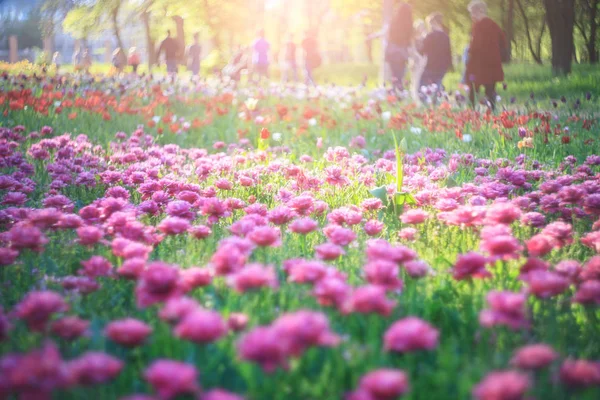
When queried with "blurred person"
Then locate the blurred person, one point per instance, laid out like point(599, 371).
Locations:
point(76, 60)
point(290, 67)
point(134, 59)
point(171, 49)
point(238, 63)
point(194, 54)
point(436, 47)
point(484, 64)
point(260, 57)
point(119, 60)
point(400, 39)
point(57, 61)
point(312, 57)
point(86, 60)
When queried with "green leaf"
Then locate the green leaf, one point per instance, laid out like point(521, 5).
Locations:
point(381, 194)
point(399, 164)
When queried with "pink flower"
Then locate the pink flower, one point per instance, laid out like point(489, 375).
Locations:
point(200, 231)
point(329, 251)
point(93, 368)
point(502, 385)
point(201, 326)
point(237, 321)
point(37, 308)
point(592, 240)
point(219, 394)
point(23, 236)
point(303, 329)
point(379, 249)
point(34, 375)
point(174, 225)
point(158, 283)
point(408, 234)
point(132, 268)
point(332, 291)
point(177, 308)
point(373, 227)
point(417, 268)
point(591, 269)
point(540, 245)
point(502, 213)
point(370, 299)
point(95, 267)
point(383, 273)
point(180, 209)
point(263, 345)
point(7, 256)
point(338, 235)
point(410, 334)
point(502, 247)
point(534, 356)
point(588, 293)
point(506, 308)
point(172, 378)
point(470, 265)
point(303, 226)
point(81, 284)
point(582, 373)
point(128, 332)
point(281, 215)
point(89, 235)
point(384, 384)
point(253, 276)
point(414, 217)
point(265, 236)
point(544, 284)
point(304, 271)
point(560, 231)
point(194, 277)
point(69, 328)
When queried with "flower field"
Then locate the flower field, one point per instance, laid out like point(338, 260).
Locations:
point(197, 240)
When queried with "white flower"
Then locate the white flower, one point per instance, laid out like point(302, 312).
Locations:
point(260, 119)
point(386, 115)
point(416, 130)
point(498, 99)
point(186, 125)
point(57, 104)
point(467, 138)
point(251, 103)
point(242, 115)
point(174, 118)
point(156, 119)
point(312, 122)
point(567, 129)
point(277, 136)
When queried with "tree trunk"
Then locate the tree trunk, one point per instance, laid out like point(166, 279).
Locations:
point(560, 15)
point(116, 30)
point(510, 31)
point(591, 43)
point(180, 37)
point(150, 43)
point(535, 54)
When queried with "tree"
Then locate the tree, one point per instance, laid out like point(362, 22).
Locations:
point(81, 22)
point(586, 21)
point(534, 43)
point(560, 16)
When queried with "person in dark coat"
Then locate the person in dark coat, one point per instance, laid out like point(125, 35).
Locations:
point(400, 39)
point(171, 49)
point(436, 47)
point(484, 64)
point(194, 54)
